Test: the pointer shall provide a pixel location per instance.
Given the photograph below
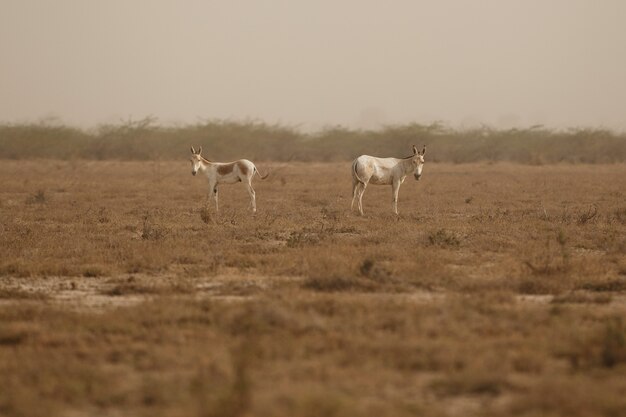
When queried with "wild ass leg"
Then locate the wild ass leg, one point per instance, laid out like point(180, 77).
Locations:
point(395, 187)
point(252, 195)
point(361, 192)
point(212, 193)
point(355, 187)
point(215, 197)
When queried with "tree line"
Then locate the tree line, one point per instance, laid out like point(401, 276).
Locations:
point(145, 139)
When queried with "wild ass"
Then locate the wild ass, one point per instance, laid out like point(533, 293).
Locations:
point(225, 173)
point(384, 171)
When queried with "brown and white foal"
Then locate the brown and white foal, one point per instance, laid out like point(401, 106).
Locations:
point(225, 173)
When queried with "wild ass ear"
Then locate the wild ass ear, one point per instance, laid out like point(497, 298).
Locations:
point(424, 150)
point(193, 151)
point(414, 150)
point(199, 150)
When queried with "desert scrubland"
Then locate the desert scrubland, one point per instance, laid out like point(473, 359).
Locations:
point(500, 289)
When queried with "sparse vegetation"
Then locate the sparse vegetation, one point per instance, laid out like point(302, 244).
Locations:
point(444, 238)
point(150, 230)
point(123, 294)
point(15, 293)
point(38, 197)
point(205, 215)
point(614, 343)
point(588, 215)
point(582, 298)
point(613, 285)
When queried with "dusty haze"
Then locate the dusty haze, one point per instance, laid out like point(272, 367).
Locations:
point(357, 63)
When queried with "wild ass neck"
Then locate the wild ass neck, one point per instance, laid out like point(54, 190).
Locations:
point(407, 166)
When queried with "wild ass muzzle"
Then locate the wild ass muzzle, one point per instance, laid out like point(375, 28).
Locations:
point(384, 171)
point(225, 173)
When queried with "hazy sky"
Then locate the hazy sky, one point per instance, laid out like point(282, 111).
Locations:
point(311, 63)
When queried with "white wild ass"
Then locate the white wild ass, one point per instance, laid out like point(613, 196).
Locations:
point(384, 171)
point(225, 173)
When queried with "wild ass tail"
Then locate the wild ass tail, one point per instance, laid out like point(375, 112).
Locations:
point(256, 171)
point(355, 174)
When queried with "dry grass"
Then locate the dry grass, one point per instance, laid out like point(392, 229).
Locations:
point(499, 290)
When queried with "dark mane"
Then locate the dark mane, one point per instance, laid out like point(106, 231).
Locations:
point(204, 159)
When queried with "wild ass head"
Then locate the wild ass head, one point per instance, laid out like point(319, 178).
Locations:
point(418, 161)
point(196, 160)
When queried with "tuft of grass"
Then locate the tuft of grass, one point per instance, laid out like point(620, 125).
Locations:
point(38, 198)
point(205, 215)
point(151, 230)
point(619, 214)
point(604, 347)
point(582, 298)
point(443, 238)
point(366, 267)
point(471, 382)
point(132, 286)
point(302, 238)
point(613, 343)
point(103, 215)
point(611, 285)
point(336, 283)
point(13, 293)
point(230, 399)
point(330, 272)
point(535, 286)
point(13, 335)
point(551, 259)
point(16, 268)
point(94, 271)
point(374, 271)
point(586, 216)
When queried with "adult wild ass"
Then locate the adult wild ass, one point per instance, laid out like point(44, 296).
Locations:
point(225, 173)
point(384, 171)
